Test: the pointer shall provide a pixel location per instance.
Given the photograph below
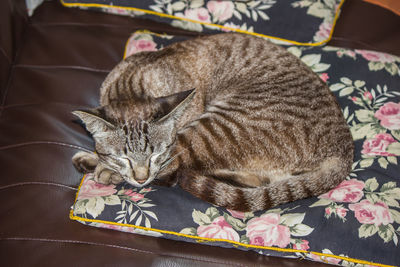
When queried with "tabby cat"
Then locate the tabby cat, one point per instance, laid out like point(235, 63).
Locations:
point(257, 128)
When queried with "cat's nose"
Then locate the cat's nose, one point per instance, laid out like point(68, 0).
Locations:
point(141, 174)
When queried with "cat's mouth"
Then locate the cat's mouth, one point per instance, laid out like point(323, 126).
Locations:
point(137, 182)
point(141, 181)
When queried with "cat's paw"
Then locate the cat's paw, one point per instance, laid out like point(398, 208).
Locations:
point(168, 180)
point(85, 162)
point(107, 176)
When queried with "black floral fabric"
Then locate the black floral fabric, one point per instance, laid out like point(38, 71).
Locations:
point(296, 21)
point(355, 224)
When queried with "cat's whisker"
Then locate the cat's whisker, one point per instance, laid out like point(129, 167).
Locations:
point(167, 162)
point(267, 125)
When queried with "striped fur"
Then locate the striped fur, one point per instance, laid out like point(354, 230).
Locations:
point(260, 129)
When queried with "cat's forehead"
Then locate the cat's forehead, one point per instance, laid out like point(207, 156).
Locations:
point(135, 127)
point(132, 112)
point(110, 140)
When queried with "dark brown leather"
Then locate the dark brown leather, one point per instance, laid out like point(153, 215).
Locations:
point(13, 19)
point(65, 55)
point(363, 25)
point(58, 59)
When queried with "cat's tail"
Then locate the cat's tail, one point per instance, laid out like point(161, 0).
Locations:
point(313, 183)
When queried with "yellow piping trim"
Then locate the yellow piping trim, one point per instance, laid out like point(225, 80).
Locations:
point(206, 239)
point(198, 238)
point(211, 24)
point(126, 46)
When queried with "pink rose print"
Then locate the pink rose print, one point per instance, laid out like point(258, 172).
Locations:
point(146, 190)
point(328, 211)
point(341, 212)
point(90, 189)
point(324, 31)
point(376, 56)
point(301, 246)
point(324, 76)
point(325, 259)
point(389, 115)
point(136, 46)
point(220, 229)
point(134, 196)
point(266, 231)
point(198, 14)
point(370, 213)
point(347, 191)
point(368, 95)
point(221, 10)
point(112, 226)
point(378, 145)
point(237, 214)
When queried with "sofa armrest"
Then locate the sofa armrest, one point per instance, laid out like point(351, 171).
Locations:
point(13, 19)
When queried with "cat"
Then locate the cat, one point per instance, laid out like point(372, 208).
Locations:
point(233, 119)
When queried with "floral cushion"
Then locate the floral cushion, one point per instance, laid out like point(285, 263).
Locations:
point(308, 22)
point(355, 224)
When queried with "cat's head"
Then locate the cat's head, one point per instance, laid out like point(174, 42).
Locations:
point(135, 138)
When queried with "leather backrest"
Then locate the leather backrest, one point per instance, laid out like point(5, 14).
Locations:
point(13, 19)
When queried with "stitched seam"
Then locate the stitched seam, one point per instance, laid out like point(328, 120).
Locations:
point(45, 143)
point(206, 239)
point(37, 183)
point(74, 24)
point(150, 12)
point(11, 72)
point(172, 31)
point(287, 250)
point(109, 245)
point(36, 103)
point(61, 67)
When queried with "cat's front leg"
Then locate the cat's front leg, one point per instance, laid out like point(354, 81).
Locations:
point(106, 176)
point(166, 180)
point(85, 162)
point(169, 177)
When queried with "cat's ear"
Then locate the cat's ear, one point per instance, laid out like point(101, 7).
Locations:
point(173, 106)
point(94, 121)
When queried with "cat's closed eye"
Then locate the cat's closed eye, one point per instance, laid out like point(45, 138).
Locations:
point(156, 158)
point(252, 131)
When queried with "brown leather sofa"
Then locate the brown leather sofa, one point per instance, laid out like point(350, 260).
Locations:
point(53, 63)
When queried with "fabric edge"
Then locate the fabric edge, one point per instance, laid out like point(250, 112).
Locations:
point(205, 239)
point(150, 12)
